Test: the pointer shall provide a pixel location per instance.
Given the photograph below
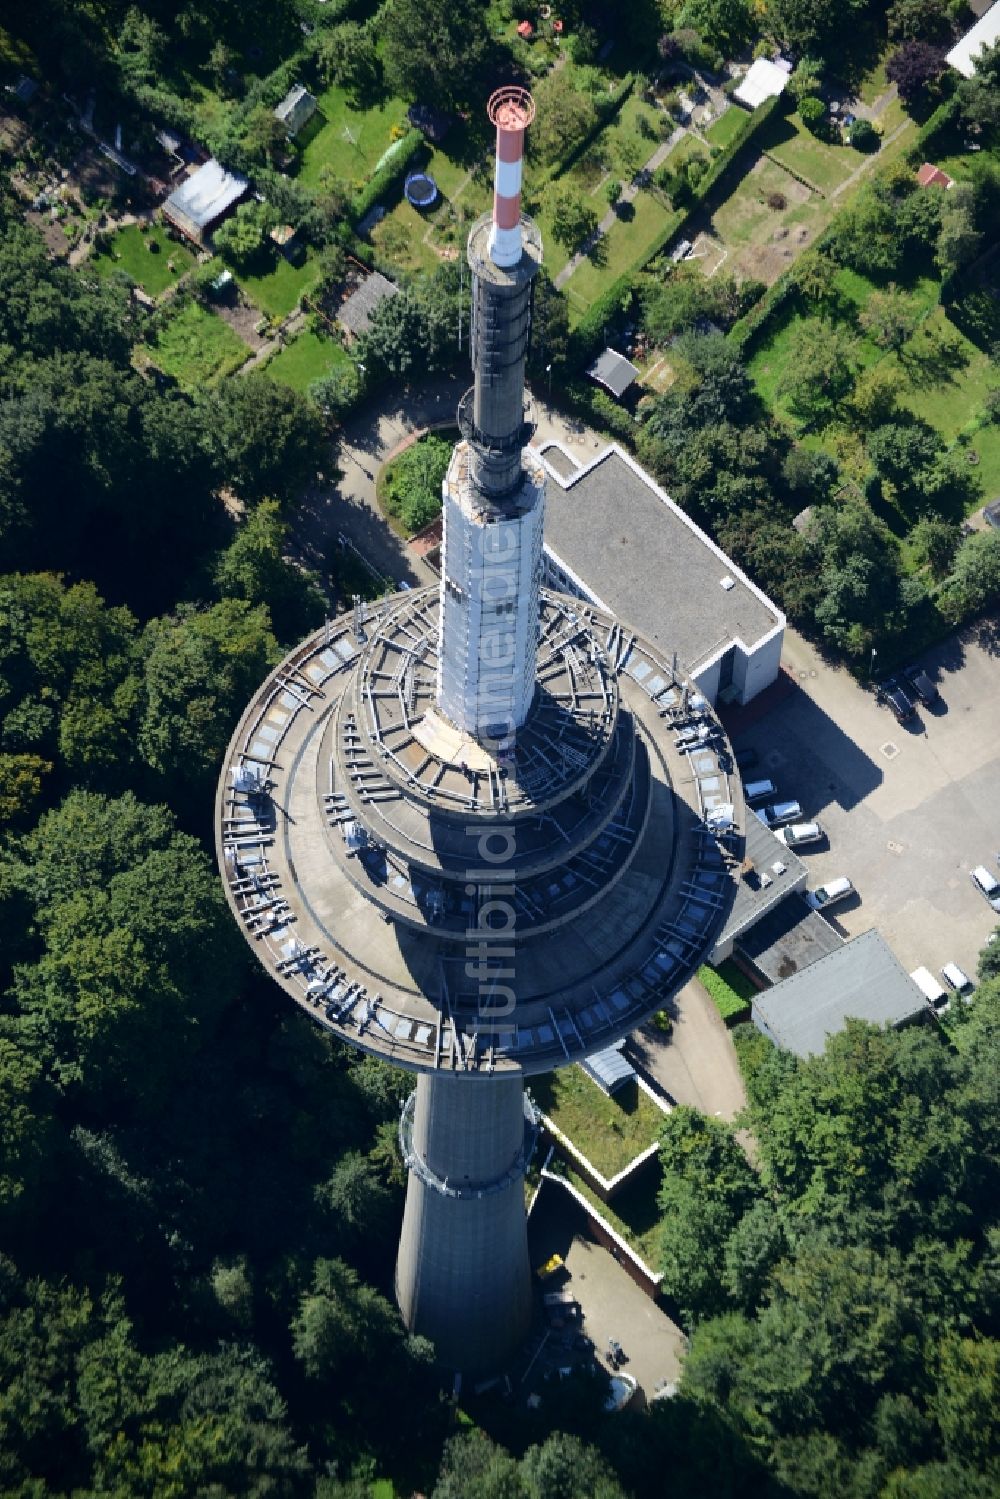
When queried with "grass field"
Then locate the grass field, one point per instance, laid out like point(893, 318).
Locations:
point(730, 989)
point(129, 253)
point(634, 1213)
point(722, 130)
point(305, 359)
point(987, 444)
point(197, 348)
point(400, 237)
point(626, 243)
point(279, 286)
point(943, 377)
point(790, 143)
point(610, 1132)
point(349, 142)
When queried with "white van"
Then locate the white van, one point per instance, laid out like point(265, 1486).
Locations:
point(930, 988)
point(755, 791)
point(986, 885)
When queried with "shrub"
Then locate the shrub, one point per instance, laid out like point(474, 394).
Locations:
point(812, 113)
point(864, 136)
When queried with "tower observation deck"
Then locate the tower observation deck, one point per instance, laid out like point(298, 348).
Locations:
point(481, 831)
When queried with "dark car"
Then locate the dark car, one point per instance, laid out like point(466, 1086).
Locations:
point(923, 686)
point(991, 515)
point(892, 694)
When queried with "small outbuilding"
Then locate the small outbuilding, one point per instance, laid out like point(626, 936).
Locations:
point(356, 310)
point(862, 980)
point(614, 372)
point(609, 1069)
point(296, 109)
point(202, 200)
point(932, 176)
point(764, 80)
point(966, 50)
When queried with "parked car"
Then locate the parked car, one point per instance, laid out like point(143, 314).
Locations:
point(986, 885)
point(798, 833)
point(829, 894)
point(892, 694)
point(922, 685)
point(778, 812)
point(756, 791)
point(929, 987)
point(956, 978)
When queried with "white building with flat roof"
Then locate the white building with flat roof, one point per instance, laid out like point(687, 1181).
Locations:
point(612, 535)
point(966, 50)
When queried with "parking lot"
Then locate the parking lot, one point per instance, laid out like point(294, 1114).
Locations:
point(909, 809)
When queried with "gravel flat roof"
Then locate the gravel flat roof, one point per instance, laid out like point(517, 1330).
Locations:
point(648, 562)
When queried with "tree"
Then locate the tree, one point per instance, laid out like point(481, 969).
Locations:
point(264, 138)
point(573, 218)
point(549, 326)
point(934, 542)
point(814, 27)
point(242, 236)
point(565, 115)
point(959, 239)
point(254, 568)
point(913, 68)
point(202, 666)
point(902, 452)
point(888, 317)
point(812, 113)
point(347, 57)
point(341, 1322)
point(980, 94)
point(269, 438)
point(413, 482)
point(920, 20)
point(974, 581)
point(21, 787)
point(432, 48)
point(337, 392)
point(822, 362)
point(864, 136)
point(806, 79)
point(725, 25)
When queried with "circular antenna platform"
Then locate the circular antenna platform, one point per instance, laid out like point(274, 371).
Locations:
point(421, 190)
point(511, 108)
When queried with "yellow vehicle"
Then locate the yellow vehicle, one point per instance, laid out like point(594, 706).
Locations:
point(551, 1267)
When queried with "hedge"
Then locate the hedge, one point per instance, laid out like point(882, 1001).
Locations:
point(944, 118)
point(606, 111)
point(388, 176)
point(586, 338)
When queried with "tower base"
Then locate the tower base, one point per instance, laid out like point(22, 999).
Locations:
point(463, 1279)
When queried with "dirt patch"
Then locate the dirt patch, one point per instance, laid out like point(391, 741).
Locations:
point(51, 231)
point(243, 318)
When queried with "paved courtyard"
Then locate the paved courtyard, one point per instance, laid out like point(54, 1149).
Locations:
point(909, 810)
point(613, 1305)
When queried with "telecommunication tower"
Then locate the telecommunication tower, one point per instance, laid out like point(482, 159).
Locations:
point(507, 834)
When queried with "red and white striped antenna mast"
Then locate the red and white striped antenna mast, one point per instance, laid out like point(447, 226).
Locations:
point(511, 110)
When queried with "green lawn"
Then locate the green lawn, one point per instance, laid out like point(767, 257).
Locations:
point(307, 358)
point(278, 286)
point(943, 377)
point(730, 989)
point(400, 238)
point(129, 252)
point(610, 1132)
point(349, 142)
point(790, 143)
point(722, 130)
point(987, 444)
point(196, 347)
point(634, 1213)
point(628, 241)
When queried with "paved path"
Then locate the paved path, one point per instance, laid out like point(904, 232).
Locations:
point(629, 192)
point(696, 1064)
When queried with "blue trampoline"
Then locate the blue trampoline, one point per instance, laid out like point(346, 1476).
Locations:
point(421, 190)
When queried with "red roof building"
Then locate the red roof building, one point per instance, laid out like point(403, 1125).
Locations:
point(932, 176)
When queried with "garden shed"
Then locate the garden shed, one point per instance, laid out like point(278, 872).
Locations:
point(614, 372)
point(198, 203)
point(296, 109)
point(356, 310)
